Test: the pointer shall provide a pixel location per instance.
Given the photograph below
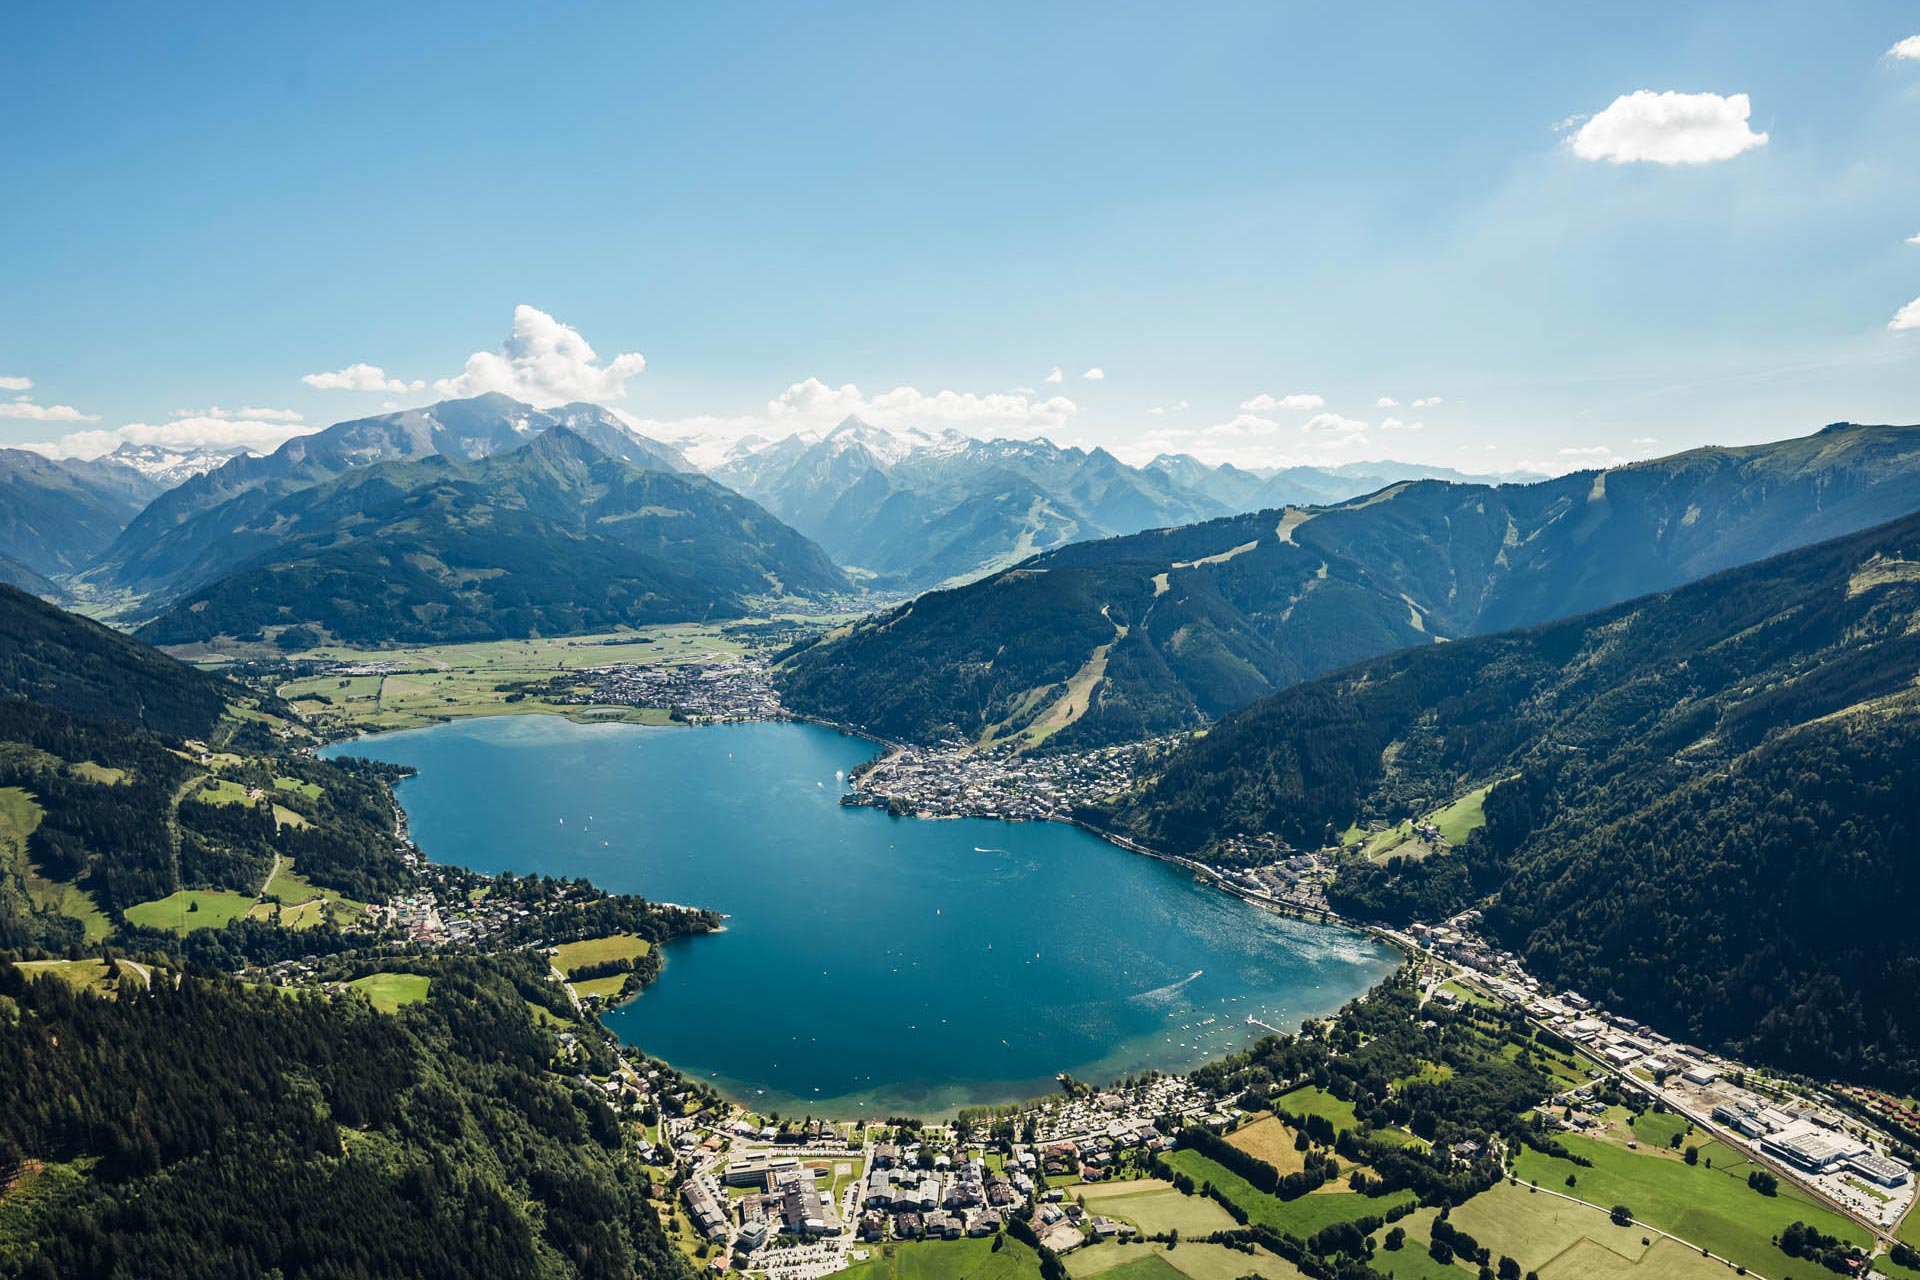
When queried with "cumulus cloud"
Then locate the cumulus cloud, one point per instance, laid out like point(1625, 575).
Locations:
point(1907, 50)
point(24, 409)
point(1386, 402)
point(1428, 402)
point(16, 384)
point(360, 377)
point(544, 363)
point(1054, 375)
point(1094, 374)
point(1645, 440)
point(252, 413)
point(186, 432)
point(1264, 403)
point(1394, 424)
point(1913, 239)
point(1907, 317)
point(1668, 128)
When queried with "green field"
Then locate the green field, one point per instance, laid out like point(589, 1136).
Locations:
point(87, 975)
point(1566, 1241)
point(618, 946)
point(1463, 817)
point(1153, 1206)
point(1710, 1207)
point(1187, 1261)
point(303, 903)
point(948, 1260)
point(311, 790)
point(175, 911)
point(1303, 1216)
point(434, 683)
point(389, 991)
point(222, 791)
point(606, 988)
point(1311, 1100)
point(1659, 1130)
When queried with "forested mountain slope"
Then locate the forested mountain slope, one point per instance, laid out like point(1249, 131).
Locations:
point(1172, 627)
point(1703, 810)
point(174, 545)
point(551, 538)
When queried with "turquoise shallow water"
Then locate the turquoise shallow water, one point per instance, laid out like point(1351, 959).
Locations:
point(870, 964)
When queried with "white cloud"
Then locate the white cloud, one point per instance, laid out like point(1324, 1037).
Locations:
point(1645, 440)
point(1394, 424)
point(1264, 403)
point(1386, 402)
point(1179, 405)
point(360, 377)
point(1157, 410)
point(26, 410)
point(16, 384)
point(251, 413)
point(1908, 49)
point(1907, 317)
point(1053, 375)
point(1668, 128)
point(544, 363)
point(1428, 402)
point(813, 403)
point(1094, 374)
point(195, 431)
point(1586, 451)
point(1914, 239)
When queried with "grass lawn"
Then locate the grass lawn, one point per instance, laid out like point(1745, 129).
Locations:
point(968, 1259)
point(606, 988)
point(311, 790)
point(618, 946)
point(1302, 1216)
point(1153, 1205)
point(1659, 1130)
point(222, 791)
point(1188, 1261)
point(303, 903)
point(1312, 1100)
point(176, 911)
point(1710, 1207)
point(19, 818)
point(1463, 817)
point(389, 991)
point(1269, 1139)
point(285, 817)
point(100, 773)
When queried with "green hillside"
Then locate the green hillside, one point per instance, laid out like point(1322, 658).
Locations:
point(1206, 618)
point(1705, 815)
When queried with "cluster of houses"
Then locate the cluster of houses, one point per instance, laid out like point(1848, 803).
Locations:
point(997, 782)
point(945, 1202)
point(699, 692)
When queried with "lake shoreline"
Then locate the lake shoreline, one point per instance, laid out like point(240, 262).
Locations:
point(1134, 1050)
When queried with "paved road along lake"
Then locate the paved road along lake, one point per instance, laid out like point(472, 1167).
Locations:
point(870, 964)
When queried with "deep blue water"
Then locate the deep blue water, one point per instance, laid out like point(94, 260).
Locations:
point(870, 964)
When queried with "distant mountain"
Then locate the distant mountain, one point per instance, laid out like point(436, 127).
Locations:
point(169, 466)
point(553, 537)
point(1257, 490)
point(1173, 627)
point(1701, 809)
point(915, 508)
point(55, 517)
point(176, 533)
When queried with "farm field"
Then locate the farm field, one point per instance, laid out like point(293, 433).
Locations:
point(389, 991)
point(1311, 1100)
point(185, 910)
point(19, 819)
point(1188, 1260)
point(1153, 1205)
point(86, 975)
point(1269, 1139)
point(1301, 1217)
point(618, 946)
point(970, 1259)
point(1713, 1208)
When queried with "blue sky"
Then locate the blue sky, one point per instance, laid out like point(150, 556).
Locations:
point(1209, 204)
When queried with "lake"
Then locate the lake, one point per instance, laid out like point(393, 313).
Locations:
point(870, 965)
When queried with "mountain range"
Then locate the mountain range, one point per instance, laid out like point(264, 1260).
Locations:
point(1732, 760)
point(554, 536)
point(912, 509)
point(1167, 629)
point(56, 516)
